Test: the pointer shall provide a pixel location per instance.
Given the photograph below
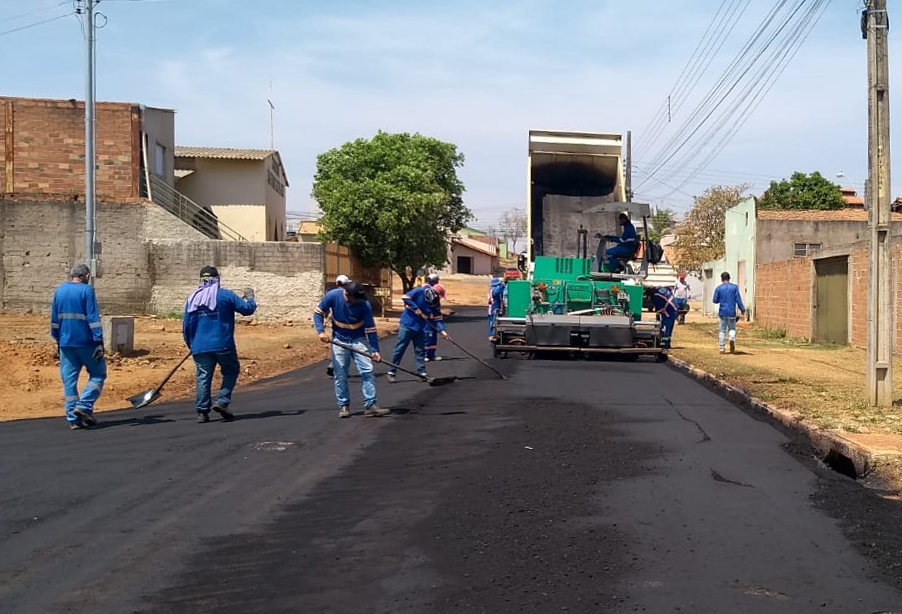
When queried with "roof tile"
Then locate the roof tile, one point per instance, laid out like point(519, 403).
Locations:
point(223, 153)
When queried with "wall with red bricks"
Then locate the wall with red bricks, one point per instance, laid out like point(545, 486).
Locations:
point(48, 149)
point(783, 296)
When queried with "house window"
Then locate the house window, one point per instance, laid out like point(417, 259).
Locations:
point(800, 250)
point(159, 160)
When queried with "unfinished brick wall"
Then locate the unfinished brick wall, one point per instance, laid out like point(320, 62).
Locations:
point(858, 292)
point(783, 296)
point(43, 148)
point(150, 260)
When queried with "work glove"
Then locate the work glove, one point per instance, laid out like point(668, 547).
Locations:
point(445, 334)
point(324, 337)
point(248, 294)
point(98, 353)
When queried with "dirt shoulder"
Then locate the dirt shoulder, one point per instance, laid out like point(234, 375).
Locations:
point(32, 382)
point(821, 384)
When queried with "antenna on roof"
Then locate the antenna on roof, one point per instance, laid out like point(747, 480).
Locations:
point(272, 108)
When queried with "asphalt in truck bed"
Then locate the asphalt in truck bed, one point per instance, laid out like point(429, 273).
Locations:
point(573, 486)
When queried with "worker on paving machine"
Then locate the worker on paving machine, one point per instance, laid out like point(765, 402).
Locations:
point(625, 247)
point(421, 310)
point(667, 312)
point(432, 331)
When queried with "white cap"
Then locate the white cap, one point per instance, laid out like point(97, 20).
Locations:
point(342, 280)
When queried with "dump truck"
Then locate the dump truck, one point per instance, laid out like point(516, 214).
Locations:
point(571, 302)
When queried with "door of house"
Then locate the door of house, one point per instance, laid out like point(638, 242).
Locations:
point(832, 307)
point(465, 265)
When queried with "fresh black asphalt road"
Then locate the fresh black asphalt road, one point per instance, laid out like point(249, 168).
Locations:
point(570, 487)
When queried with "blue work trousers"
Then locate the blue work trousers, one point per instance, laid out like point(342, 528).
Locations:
point(431, 343)
point(668, 319)
point(727, 324)
point(406, 336)
point(71, 362)
point(614, 255)
point(493, 315)
point(206, 365)
point(341, 367)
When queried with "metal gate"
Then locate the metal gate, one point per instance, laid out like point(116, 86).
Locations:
point(832, 307)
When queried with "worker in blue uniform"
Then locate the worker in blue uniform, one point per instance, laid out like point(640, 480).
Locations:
point(208, 327)
point(496, 304)
point(353, 326)
point(421, 310)
point(432, 331)
point(667, 310)
point(625, 247)
point(75, 326)
point(729, 298)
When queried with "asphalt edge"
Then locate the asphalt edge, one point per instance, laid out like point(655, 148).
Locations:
point(824, 442)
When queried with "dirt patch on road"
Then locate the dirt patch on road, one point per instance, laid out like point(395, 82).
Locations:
point(32, 386)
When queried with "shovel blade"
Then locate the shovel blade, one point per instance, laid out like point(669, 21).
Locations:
point(144, 399)
point(442, 381)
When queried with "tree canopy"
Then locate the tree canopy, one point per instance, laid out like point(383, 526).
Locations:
point(802, 191)
point(394, 199)
point(662, 221)
point(513, 227)
point(700, 236)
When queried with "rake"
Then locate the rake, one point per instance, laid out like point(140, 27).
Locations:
point(432, 381)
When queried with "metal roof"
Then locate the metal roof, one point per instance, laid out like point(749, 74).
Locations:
point(223, 153)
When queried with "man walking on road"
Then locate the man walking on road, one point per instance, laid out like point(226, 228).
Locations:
point(76, 328)
point(728, 297)
point(208, 327)
point(340, 281)
point(421, 310)
point(352, 326)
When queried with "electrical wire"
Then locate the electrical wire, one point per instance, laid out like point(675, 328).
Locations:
point(35, 11)
point(35, 24)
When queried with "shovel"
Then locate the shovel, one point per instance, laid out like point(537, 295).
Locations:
point(432, 381)
point(146, 398)
point(465, 351)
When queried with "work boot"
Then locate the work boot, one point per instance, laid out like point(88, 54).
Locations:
point(329, 371)
point(203, 417)
point(227, 416)
point(423, 374)
point(427, 359)
point(76, 426)
point(374, 411)
point(721, 350)
point(732, 347)
point(391, 378)
point(344, 412)
point(86, 417)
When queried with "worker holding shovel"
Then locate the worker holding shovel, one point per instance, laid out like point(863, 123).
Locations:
point(352, 326)
point(209, 331)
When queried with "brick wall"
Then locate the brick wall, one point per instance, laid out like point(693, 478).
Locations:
point(858, 292)
point(783, 296)
point(287, 277)
point(150, 260)
point(43, 148)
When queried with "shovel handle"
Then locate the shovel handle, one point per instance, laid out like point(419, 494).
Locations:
point(172, 372)
point(385, 362)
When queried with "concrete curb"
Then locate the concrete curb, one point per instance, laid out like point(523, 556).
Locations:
point(824, 442)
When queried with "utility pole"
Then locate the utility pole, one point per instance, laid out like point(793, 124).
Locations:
point(272, 142)
point(880, 286)
point(629, 166)
point(90, 162)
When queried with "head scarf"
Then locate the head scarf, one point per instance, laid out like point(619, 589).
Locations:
point(204, 295)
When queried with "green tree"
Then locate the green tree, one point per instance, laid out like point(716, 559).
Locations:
point(394, 199)
point(662, 221)
point(802, 191)
point(700, 236)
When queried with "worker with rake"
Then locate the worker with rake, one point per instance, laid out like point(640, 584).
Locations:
point(421, 311)
point(353, 326)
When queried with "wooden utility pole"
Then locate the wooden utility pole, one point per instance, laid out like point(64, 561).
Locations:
point(880, 286)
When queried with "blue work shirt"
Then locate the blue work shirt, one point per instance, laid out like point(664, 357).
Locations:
point(75, 317)
point(213, 330)
point(664, 302)
point(496, 297)
point(727, 295)
point(415, 301)
point(629, 235)
point(350, 322)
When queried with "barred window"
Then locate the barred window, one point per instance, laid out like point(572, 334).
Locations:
point(800, 250)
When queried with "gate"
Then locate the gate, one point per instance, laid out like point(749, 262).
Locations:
point(832, 306)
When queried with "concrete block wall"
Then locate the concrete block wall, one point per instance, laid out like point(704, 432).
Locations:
point(783, 296)
point(46, 148)
point(287, 277)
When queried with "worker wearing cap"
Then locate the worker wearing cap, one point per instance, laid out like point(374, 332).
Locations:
point(432, 331)
point(667, 311)
point(208, 327)
point(432, 279)
point(681, 292)
point(625, 247)
point(354, 337)
point(421, 310)
point(75, 326)
point(495, 303)
point(340, 281)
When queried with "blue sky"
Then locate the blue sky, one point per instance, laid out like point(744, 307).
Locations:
point(479, 74)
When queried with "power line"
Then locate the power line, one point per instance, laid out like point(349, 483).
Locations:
point(36, 24)
point(35, 11)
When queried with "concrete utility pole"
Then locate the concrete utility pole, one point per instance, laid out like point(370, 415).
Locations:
point(90, 162)
point(629, 166)
point(880, 286)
